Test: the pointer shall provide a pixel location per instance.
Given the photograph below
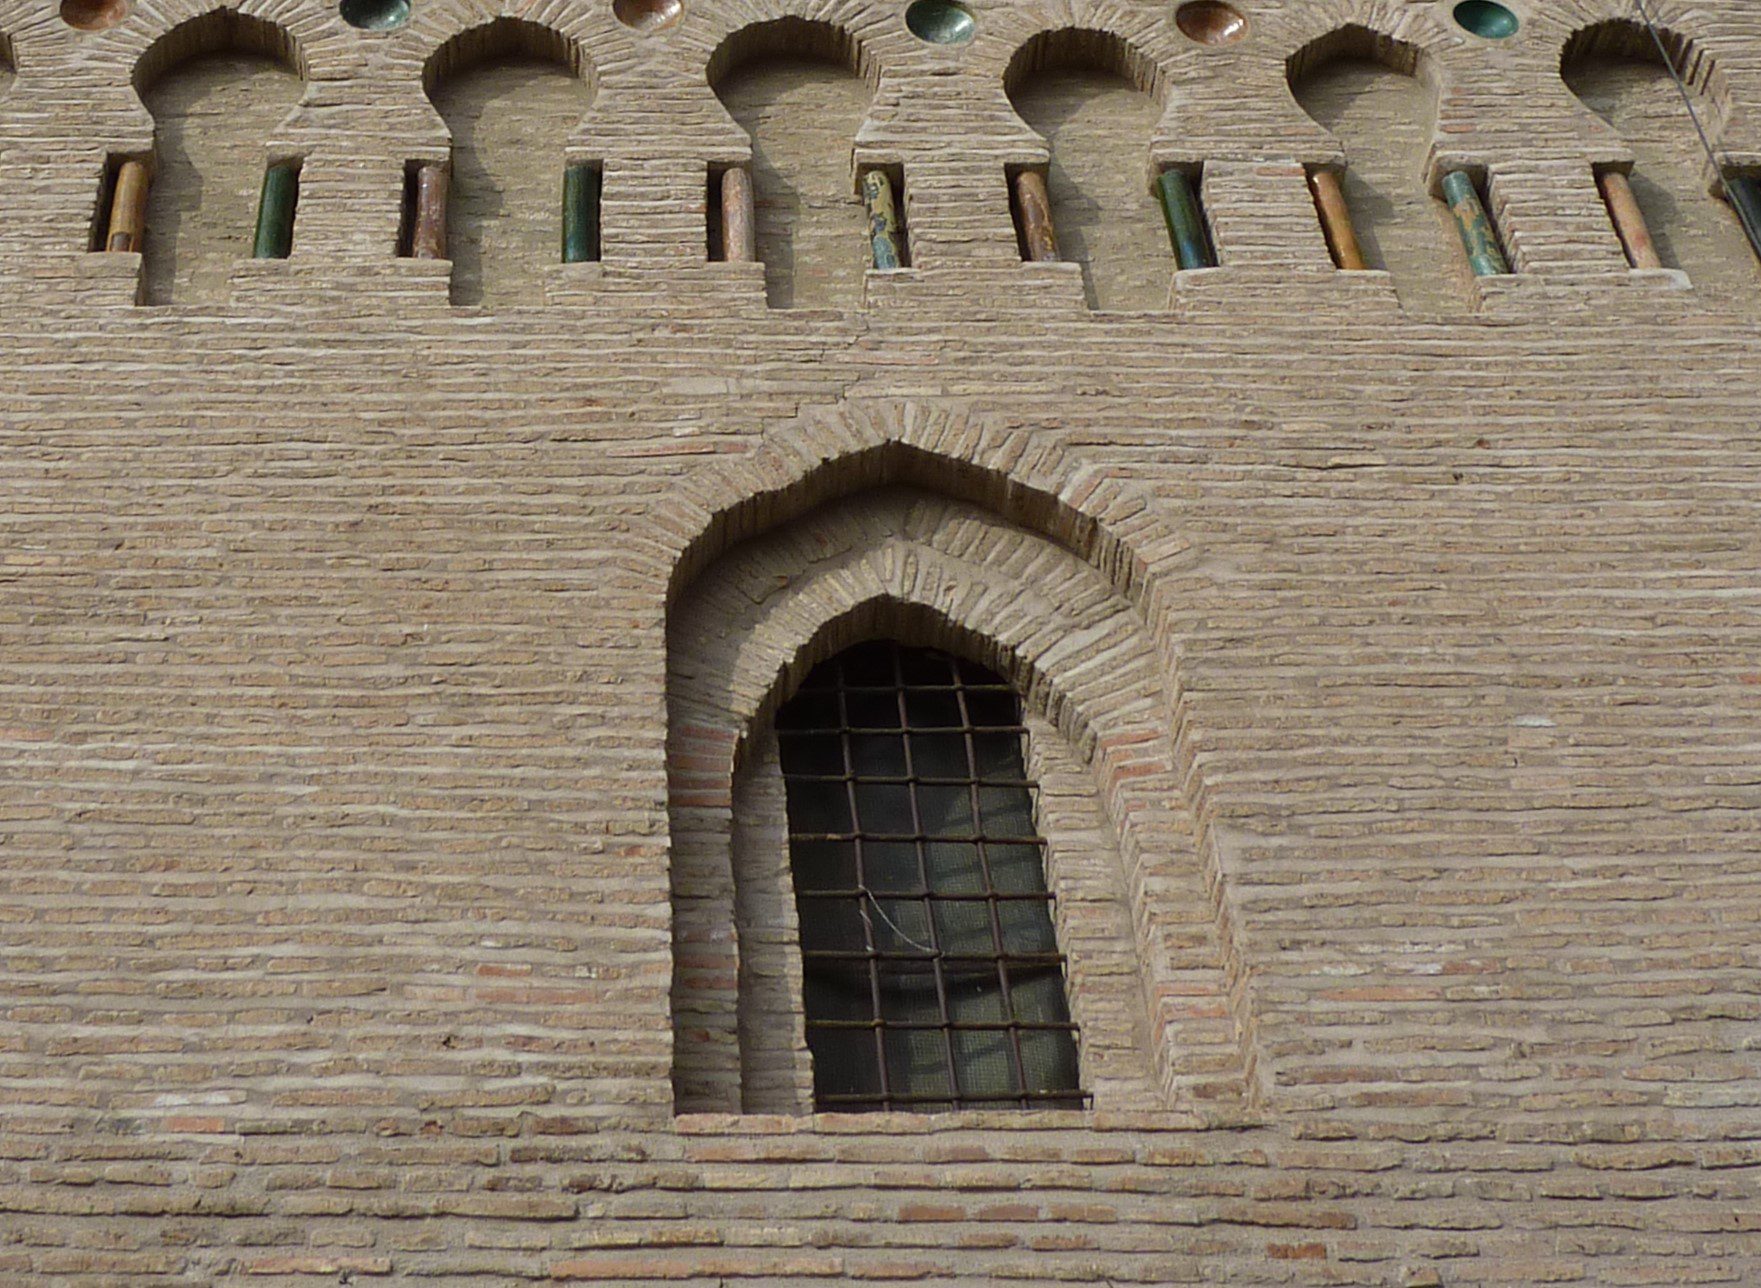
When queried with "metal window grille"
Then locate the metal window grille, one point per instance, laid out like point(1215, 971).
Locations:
point(932, 974)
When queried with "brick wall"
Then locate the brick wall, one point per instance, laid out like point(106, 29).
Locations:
point(341, 626)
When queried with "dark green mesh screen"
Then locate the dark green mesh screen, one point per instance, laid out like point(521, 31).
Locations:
point(933, 979)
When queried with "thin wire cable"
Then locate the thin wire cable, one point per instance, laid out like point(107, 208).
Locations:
point(1680, 88)
point(925, 948)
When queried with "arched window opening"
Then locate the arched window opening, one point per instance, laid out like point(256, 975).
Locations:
point(1616, 71)
point(798, 89)
point(932, 975)
point(1015, 815)
point(218, 89)
point(8, 64)
point(1095, 102)
point(512, 94)
point(1367, 91)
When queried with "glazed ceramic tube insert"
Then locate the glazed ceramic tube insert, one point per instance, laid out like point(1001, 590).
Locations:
point(1186, 220)
point(1335, 216)
point(428, 233)
point(1628, 219)
point(1474, 226)
point(739, 231)
point(128, 208)
point(1033, 208)
point(1745, 195)
point(886, 237)
point(275, 211)
point(581, 193)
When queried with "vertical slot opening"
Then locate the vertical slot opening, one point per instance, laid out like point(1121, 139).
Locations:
point(1030, 207)
point(882, 188)
point(406, 223)
point(99, 235)
point(714, 223)
point(275, 210)
point(1743, 191)
point(715, 217)
point(733, 215)
point(583, 190)
point(1180, 189)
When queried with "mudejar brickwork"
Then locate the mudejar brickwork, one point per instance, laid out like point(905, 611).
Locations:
point(802, 641)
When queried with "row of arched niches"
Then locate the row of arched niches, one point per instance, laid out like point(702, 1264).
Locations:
point(1446, 144)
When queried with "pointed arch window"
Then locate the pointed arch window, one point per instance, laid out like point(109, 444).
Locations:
point(931, 970)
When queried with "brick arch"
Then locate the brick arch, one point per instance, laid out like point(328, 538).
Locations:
point(1141, 43)
point(442, 41)
point(155, 42)
point(1569, 24)
point(1138, 43)
point(1421, 28)
point(504, 37)
point(732, 660)
point(114, 66)
point(791, 35)
point(744, 685)
point(1408, 40)
point(938, 572)
point(1018, 471)
point(1086, 49)
point(1023, 474)
point(1356, 40)
point(214, 31)
point(1627, 38)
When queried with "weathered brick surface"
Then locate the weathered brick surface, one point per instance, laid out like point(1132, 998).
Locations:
point(336, 935)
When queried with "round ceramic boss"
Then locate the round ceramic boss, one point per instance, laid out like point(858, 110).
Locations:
point(1485, 18)
point(941, 22)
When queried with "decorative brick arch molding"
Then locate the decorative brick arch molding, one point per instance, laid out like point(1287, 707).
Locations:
point(1701, 68)
point(990, 541)
point(156, 41)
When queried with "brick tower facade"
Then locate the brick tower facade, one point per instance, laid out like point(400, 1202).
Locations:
point(438, 442)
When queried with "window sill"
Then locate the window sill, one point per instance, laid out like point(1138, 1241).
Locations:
point(962, 1120)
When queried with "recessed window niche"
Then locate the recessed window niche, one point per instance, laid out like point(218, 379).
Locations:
point(1377, 97)
point(1095, 99)
point(219, 88)
point(801, 91)
point(512, 94)
point(1616, 70)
